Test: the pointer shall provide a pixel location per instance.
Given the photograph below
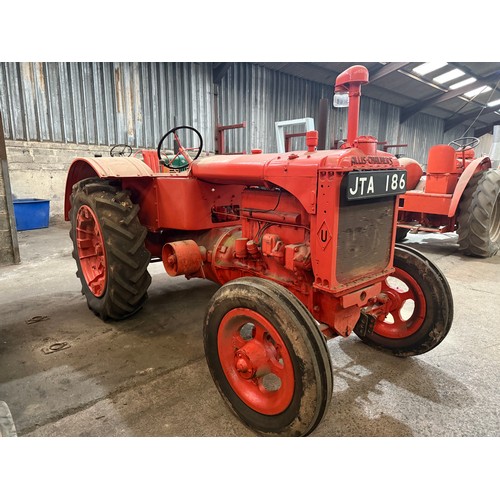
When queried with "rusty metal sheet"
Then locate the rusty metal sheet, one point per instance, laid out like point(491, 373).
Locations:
point(116, 166)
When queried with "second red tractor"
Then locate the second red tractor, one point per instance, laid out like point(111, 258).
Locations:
point(458, 192)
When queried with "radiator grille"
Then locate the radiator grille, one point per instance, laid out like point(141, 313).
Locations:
point(364, 238)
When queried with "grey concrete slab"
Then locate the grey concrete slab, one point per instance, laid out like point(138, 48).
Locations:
point(147, 376)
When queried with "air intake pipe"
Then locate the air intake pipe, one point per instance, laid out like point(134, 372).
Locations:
point(349, 82)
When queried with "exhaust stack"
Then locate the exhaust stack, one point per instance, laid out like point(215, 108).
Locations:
point(349, 82)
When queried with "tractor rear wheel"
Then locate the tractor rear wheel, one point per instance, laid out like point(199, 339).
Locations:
point(267, 357)
point(479, 215)
point(418, 309)
point(108, 246)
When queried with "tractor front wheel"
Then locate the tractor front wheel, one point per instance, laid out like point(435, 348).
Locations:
point(267, 357)
point(108, 246)
point(479, 215)
point(418, 306)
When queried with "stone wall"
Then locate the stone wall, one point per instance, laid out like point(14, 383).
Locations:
point(39, 169)
point(9, 246)
point(9, 249)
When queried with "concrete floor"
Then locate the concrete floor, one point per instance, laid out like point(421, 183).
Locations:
point(147, 376)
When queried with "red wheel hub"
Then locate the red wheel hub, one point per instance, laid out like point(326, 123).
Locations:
point(91, 254)
point(255, 361)
point(404, 307)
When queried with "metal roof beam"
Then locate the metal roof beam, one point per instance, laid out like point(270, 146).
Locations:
point(485, 130)
point(453, 122)
point(416, 108)
point(386, 70)
point(450, 94)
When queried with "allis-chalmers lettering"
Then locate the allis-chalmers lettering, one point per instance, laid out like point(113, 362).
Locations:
point(371, 160)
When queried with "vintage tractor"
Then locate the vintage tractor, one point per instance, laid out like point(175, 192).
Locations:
point(303, 244)
point(458, 192)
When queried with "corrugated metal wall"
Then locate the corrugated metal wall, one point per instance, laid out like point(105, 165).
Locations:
point(260, 97)
point(104, 103)
point(136, 103)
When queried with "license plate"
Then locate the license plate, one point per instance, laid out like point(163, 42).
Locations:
point(375, 184)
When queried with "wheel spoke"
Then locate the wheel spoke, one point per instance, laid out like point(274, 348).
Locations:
point(260, 333)
point(237, 341)
point(400, 324)
point(86, 231)
point(91, 256)
point(400, 295)
point(184, 154)
point(276, 367)
point(97, 278)
point(173, 159)
point(84, 243)
point(404, 296)
point(90, 247)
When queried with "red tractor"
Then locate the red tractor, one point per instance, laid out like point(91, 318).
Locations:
point(458, 192)
point(303, 244)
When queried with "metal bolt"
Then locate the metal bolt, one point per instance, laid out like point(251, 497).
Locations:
point(242, 365)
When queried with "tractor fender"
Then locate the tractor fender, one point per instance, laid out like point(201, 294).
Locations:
point(113, 167)
point(477, 165)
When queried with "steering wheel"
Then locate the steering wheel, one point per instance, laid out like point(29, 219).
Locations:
point(464, 142)
point(182, 151)
point(121, 150)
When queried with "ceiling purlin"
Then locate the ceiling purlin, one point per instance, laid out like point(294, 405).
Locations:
point(416, 108)
point(318, 72)
point(485, 130)
point(460, 118)
point(387, 70)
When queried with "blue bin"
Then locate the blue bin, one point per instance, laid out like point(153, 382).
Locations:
point(31, 213)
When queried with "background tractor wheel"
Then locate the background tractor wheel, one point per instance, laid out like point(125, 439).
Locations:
point(419, 308)
point(267, 357)
point(479, 215)
point(108, 246)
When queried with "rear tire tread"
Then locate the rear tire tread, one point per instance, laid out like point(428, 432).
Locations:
point(475, 211)
point(126, 255)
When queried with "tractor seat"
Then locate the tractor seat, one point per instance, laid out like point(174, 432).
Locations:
point(443, 170)
point(441, 160)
